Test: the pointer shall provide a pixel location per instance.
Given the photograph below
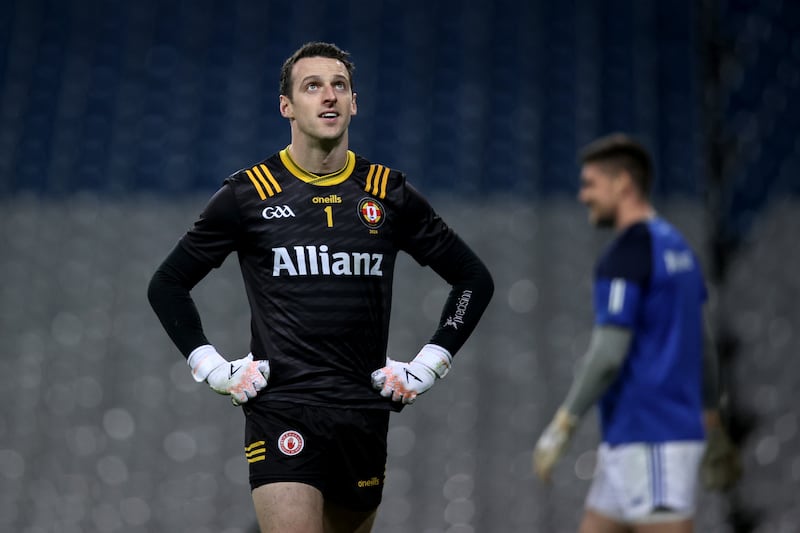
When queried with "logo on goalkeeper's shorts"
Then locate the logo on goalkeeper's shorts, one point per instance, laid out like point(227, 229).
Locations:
point(374, 481)
point(291, 442)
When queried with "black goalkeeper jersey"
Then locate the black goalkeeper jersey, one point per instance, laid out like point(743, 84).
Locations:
point(317, 255)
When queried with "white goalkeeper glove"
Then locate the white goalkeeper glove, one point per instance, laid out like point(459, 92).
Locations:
point(404, 381)
point(553, 442)
point(241, 378)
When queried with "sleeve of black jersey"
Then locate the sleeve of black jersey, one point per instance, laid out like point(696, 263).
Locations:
point(629, 257)
point(169, 297)
point(215, 234)
point(471, 290)
point(421, 232)
point(203, 247)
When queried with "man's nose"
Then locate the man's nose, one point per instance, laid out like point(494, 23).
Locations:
point(328, 93)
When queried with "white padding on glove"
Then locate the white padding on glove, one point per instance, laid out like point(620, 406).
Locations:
point(203, 360)
point(553, 442)
point(241, 378)
point(403, 382)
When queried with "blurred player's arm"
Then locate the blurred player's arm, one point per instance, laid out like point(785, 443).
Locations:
point(599, 368)
point(470, 292)
point(720, 467)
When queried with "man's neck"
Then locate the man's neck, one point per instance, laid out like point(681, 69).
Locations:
point(319, 157)
point(632, 214)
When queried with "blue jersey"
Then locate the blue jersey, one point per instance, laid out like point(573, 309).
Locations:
point(649, 281)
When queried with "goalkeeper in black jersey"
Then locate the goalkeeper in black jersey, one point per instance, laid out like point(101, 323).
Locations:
point(316, 229)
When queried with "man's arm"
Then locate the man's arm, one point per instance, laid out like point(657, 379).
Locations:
point(169, 296)
point(601, 364)
point(471, 290)
point(211, 239)
point(205, 246)
point(720, 467)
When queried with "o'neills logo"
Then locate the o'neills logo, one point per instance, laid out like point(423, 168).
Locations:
point(319, 261)
point(291, 442)
point(374, 482)
point(331, 199)
point(371, 212)
point(461, 310)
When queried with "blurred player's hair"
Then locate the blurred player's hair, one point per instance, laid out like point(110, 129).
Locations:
point(622, 152)
point(314, 49)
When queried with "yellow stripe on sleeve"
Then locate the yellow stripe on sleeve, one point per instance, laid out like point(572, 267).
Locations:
point(256, 184)
point(384, 181)
point(257, 172)
point(369, 178)
point(377, 180)
point(271, 178)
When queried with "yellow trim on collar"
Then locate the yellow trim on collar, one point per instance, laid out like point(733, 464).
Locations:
point(326, 180)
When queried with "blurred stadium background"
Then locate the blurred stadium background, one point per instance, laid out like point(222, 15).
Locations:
point(118, 120)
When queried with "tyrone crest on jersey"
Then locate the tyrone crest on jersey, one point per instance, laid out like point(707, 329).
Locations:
point(371, 213)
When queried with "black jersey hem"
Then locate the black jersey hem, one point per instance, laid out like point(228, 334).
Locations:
point(385, 405)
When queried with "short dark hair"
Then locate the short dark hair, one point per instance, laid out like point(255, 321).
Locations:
point(313, 49)
point(623, 153)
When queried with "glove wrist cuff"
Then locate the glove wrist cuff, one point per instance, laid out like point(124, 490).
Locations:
point(203, 360)
point(565, 421)
point(436, 358)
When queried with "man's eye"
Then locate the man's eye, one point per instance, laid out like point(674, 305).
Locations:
point(340, 85)
point(312, 86)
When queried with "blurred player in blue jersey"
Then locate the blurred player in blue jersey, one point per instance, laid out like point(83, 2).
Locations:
point(650, 363)
point(316, 229)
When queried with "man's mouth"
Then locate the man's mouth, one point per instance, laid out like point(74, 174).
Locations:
point(329, 114)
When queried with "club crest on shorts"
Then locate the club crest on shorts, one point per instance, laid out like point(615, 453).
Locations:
point(291, 442)
point(371, 212)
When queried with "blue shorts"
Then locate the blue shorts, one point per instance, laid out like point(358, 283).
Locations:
point(341, 452)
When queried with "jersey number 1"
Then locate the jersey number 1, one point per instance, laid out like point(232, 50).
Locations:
point(329, 212)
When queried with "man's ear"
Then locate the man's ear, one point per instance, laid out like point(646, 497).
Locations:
point(285, 106)
point(353, 106)
point(624, 181)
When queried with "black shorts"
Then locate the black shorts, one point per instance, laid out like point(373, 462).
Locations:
point(341, 452)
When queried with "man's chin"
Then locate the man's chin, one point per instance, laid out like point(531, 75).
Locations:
point(603, 222)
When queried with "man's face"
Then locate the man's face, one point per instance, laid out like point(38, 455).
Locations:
point(322, 100)
point(600, 193)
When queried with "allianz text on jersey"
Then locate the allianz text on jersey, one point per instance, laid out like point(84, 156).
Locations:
point(315, 260)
